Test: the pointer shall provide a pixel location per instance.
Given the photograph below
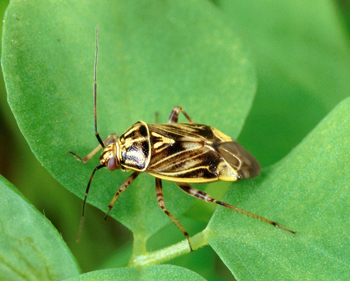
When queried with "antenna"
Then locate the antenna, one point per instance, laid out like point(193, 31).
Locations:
point(95, 90)
point(97, 136)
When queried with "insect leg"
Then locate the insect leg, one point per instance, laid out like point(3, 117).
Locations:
point(174, 115)
point(124, 185)
point(160, 200)
point(206, 197)
point(92, 153)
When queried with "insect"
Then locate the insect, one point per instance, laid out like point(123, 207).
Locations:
point(179, 152)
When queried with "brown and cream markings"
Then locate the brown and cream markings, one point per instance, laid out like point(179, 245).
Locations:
point(179, 152)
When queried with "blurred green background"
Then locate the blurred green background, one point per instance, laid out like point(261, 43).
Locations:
point(21, 168)
point(295, 99)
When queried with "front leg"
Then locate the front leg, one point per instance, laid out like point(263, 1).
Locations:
point(174, 115)
point(112, 137)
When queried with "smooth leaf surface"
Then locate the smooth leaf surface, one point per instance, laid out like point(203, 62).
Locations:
point(301, 49)
point(152, 56)
point(30, 247)
point(308, 192)
point(151, 273)
point(344, 8)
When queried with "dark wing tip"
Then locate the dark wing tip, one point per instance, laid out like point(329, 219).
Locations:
point(240, 159)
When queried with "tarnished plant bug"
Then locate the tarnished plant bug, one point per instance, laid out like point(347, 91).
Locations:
point(179, 152)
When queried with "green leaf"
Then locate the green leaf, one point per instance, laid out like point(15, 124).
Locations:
point(151, 273)
point(152, 56)
point(308, 192)
point(302, 55)
point(30, 247)
point(344, 9)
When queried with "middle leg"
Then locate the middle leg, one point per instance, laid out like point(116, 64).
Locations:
point(160, 200)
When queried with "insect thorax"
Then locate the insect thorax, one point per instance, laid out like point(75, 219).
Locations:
point(135, 147)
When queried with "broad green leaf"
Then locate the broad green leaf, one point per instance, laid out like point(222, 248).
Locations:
point(152, 56)
point(302, 54)
point(30, 247)
point(308, 192)
point(344, 9)
point(151, 273)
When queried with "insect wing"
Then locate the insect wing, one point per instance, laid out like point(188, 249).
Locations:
point(239, 159)
point(191, 152)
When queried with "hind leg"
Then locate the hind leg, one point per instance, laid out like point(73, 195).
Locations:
point(206, 197)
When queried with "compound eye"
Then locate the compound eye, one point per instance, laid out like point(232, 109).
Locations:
point(112, 164)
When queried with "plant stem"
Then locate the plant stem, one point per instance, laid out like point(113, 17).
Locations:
point(139, 246)
point(168, 253)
